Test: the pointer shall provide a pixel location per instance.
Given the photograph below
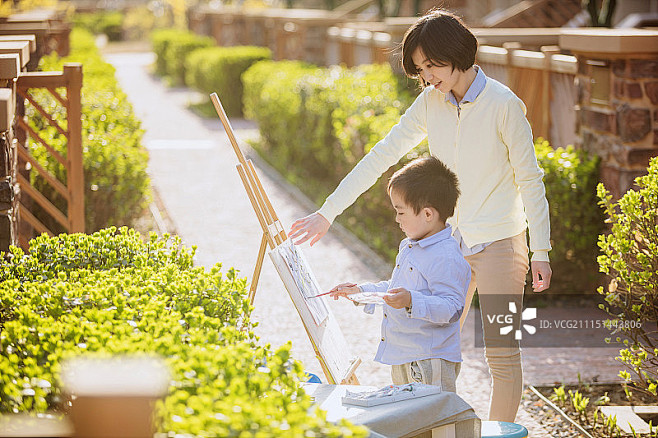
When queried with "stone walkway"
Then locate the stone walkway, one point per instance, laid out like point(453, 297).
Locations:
point(192, 166)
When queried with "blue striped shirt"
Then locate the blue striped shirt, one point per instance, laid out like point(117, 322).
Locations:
point(436, 274)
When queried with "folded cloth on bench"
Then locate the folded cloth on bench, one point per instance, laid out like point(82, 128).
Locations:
point(404, 418)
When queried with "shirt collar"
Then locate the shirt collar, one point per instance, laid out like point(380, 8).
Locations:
point(434, 238)
point(473, 91)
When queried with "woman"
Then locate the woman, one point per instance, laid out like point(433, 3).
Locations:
point(478, 127)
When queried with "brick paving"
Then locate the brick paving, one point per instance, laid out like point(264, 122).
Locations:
point(192, 166)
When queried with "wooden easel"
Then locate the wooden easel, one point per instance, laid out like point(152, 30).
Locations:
point(273, 235)
point(273, 232)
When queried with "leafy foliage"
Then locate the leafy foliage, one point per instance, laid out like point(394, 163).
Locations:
point(160, 40)
point(172, 47)
point(112, 293)
point(317, 123)
point(218, 69)
point(630, 257)
point(114, 159)
point(570, 178)
point(109, 23)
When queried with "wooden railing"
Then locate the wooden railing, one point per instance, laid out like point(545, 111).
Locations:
point(531, 66)
point(542, 77)
point(72, 189)
point(544, 81)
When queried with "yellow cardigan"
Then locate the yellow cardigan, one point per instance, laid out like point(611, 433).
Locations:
point(489, 146)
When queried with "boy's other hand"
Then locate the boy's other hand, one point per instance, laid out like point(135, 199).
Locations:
point(312, 226)
point(401, 298)
point(343, 290)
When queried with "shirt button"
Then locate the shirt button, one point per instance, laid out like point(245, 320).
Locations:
point(385, 315)
point(410, 245)
point(411, 269)
point(382, 339)
point(397, 266)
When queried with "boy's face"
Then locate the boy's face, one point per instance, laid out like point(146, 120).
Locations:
point(441, 76)
point(415, 226)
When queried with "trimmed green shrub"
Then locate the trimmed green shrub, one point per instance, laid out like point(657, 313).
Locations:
point(114, 159)
point(109, 23)
point(160, 40)
point(113, 293)
point(172, 48)
point(630, 257)
point(218, 69)
point(570, 178)
point(317, 123)
point(276, 98)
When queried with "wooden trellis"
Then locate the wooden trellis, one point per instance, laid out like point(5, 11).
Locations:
point(71, 190)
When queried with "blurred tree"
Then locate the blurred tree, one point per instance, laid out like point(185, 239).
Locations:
point(8, 7)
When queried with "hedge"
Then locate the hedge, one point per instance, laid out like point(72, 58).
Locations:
point(317, 123)
point(571, 177)
point(160, 40)
point(117, 187)
point(113, 293)
point(218, 69)
point(109, 23)
point(172, 47)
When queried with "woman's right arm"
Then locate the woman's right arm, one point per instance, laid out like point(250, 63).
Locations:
point(404, 136)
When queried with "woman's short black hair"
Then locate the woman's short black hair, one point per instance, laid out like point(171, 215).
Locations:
point(443, 38)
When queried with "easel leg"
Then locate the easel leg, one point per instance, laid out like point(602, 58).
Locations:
point(257, 269)
point(352, 380)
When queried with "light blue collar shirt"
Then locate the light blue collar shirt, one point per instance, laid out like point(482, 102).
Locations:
point(473, 91)
point(436, 274)
point(471, 94)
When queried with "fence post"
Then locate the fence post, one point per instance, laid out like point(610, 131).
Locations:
point(511, 69)
point(75, 181)
point(548, 52)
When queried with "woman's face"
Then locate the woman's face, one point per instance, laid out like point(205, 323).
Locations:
point(441, 76)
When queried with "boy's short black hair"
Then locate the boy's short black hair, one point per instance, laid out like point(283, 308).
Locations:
point(427, 182)
point(443, 38)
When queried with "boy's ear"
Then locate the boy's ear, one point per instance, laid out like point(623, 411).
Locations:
point(431, 213)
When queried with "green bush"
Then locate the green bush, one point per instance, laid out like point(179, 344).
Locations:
point(113, 293)
point(317, 123)
point(114, 159)
point(218, 69)
point(570, 178)
point(630, 258)
point(172, 48)
point(276, 98)
point(109, 23)
point(160, 40)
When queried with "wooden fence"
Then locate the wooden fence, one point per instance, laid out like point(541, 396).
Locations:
point(24, 39)
point(72, 189)
point(531, 66)
point(544, 81)
point(543, 78)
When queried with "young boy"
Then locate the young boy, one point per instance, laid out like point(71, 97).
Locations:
point(420, 328)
